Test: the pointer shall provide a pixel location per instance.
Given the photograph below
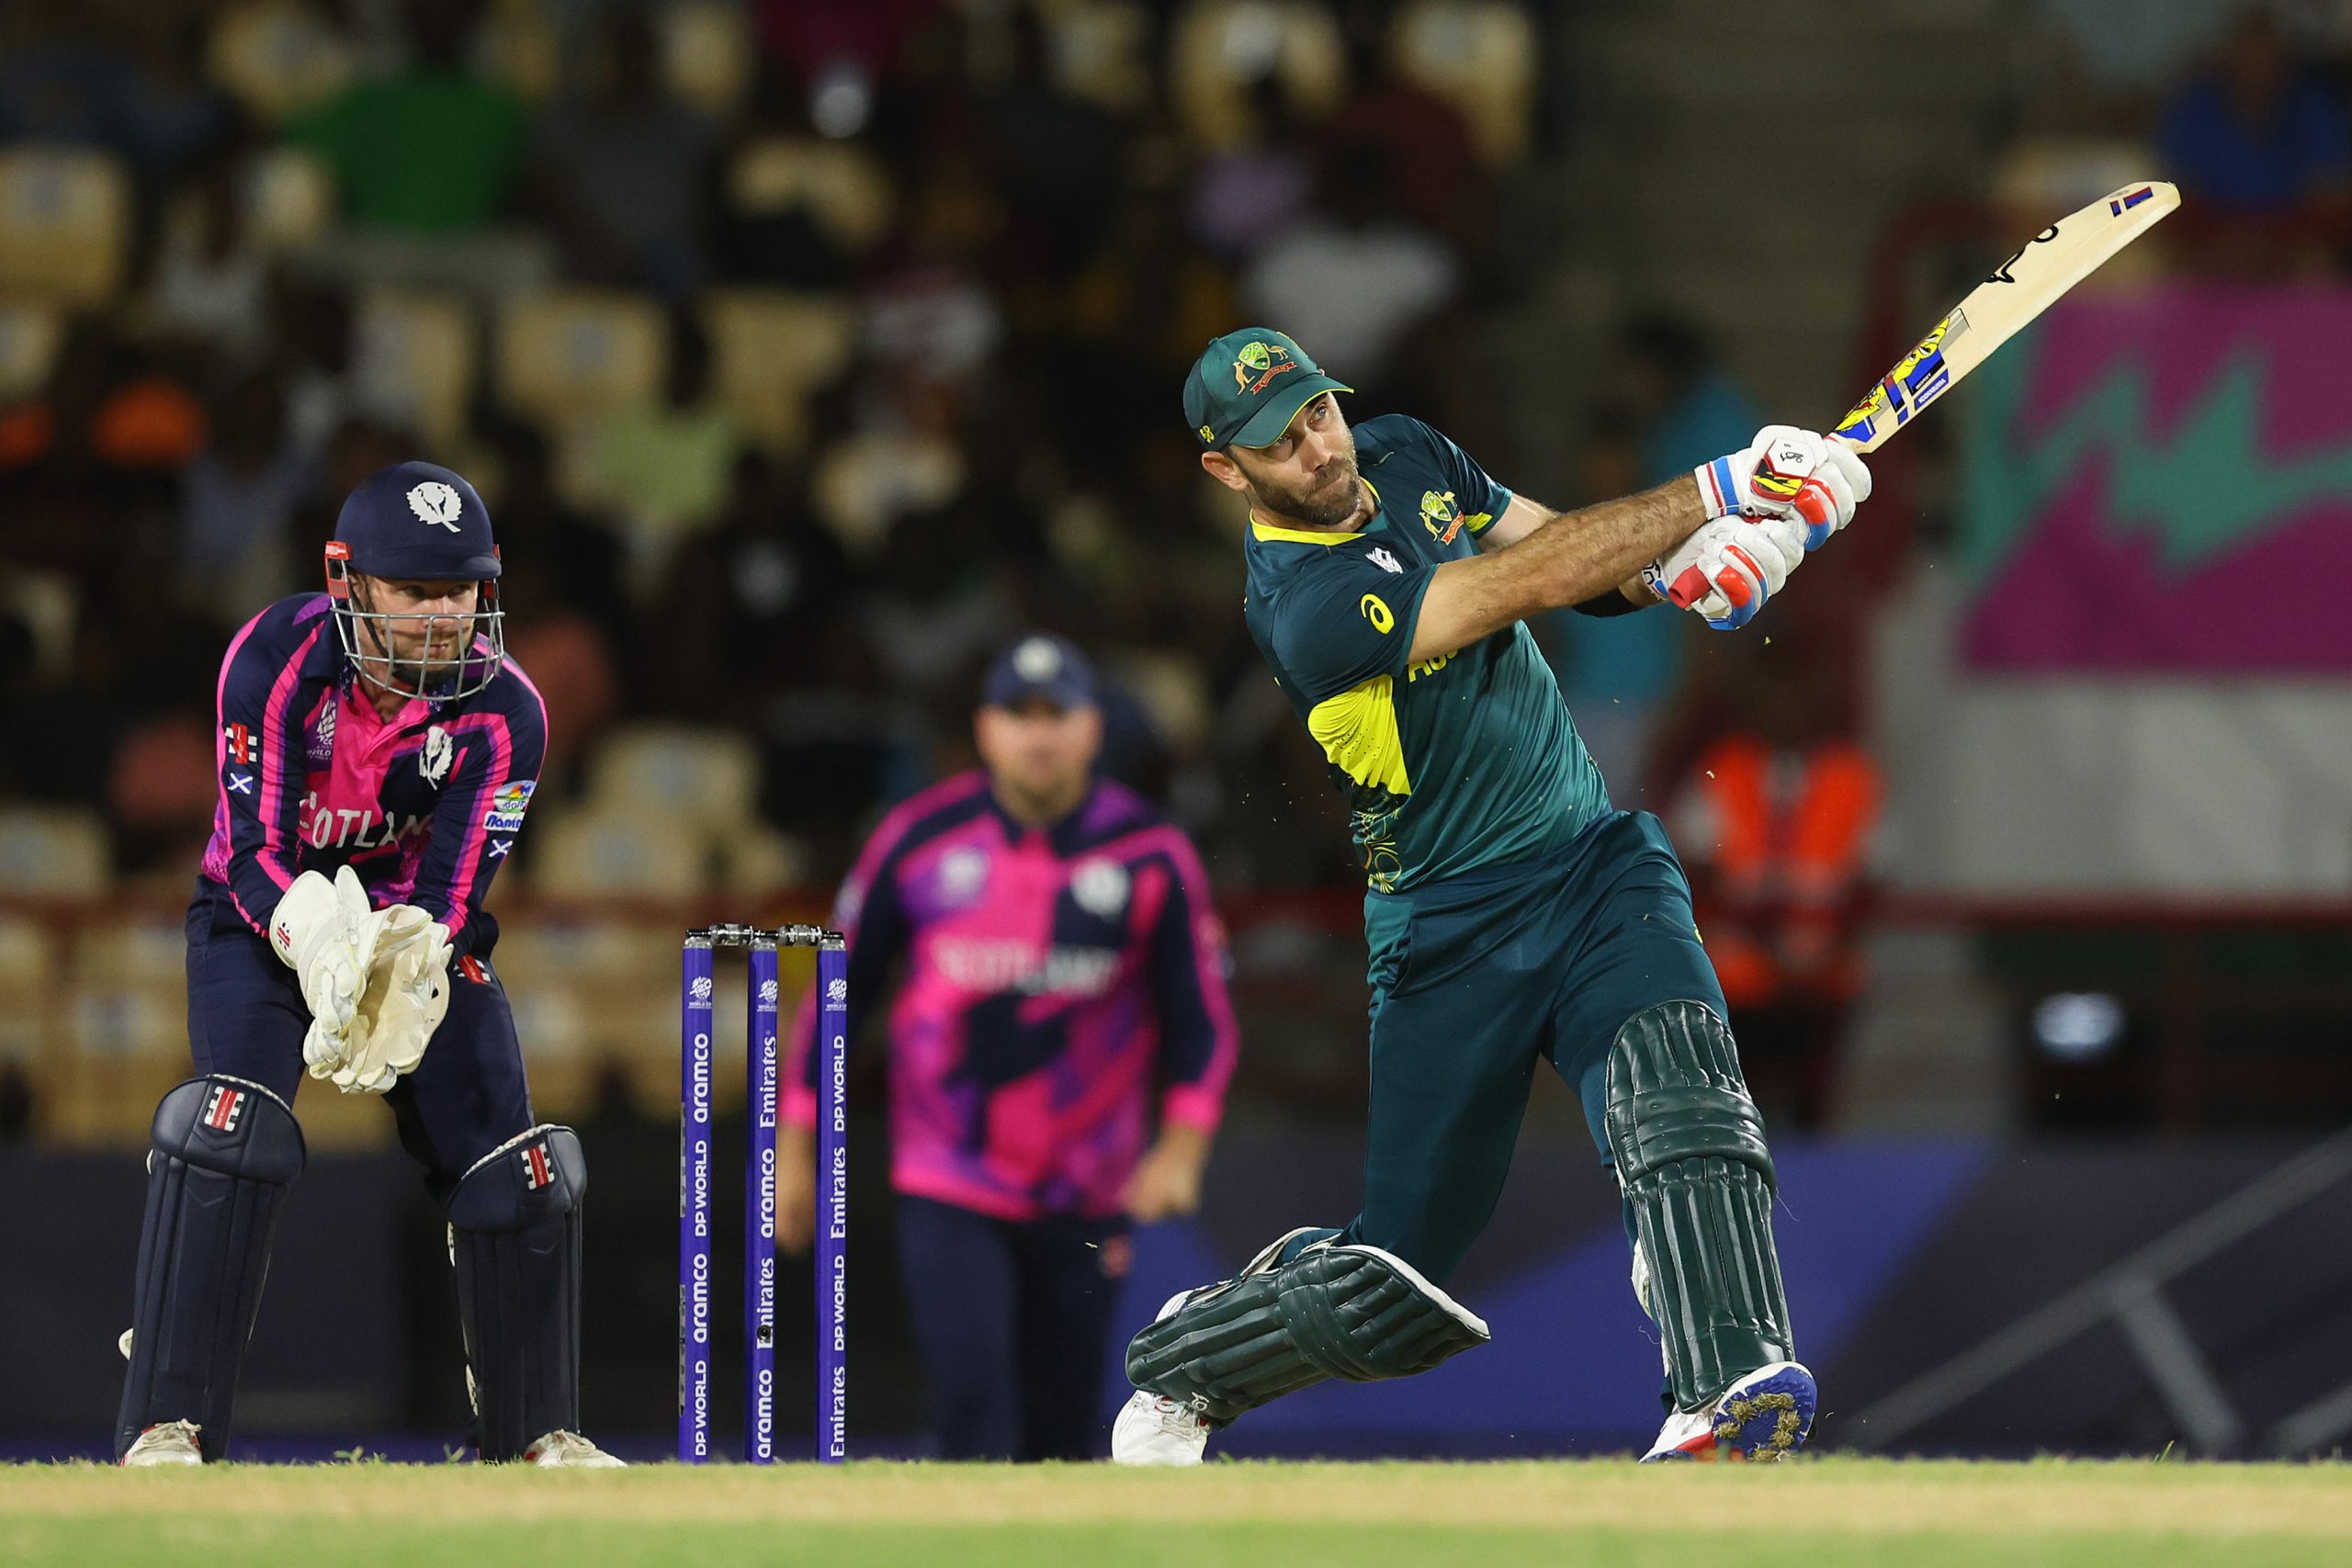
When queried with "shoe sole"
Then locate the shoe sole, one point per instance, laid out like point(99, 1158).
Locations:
point(1768, 1421)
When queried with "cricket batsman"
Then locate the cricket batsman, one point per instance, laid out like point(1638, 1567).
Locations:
point(376, 755)
point(1513, 916)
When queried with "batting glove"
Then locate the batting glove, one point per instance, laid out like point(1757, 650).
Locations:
point(1728, 568)
point(1787, 472)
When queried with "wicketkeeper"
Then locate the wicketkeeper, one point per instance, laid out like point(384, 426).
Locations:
point(376, 752)
point(1514, 918)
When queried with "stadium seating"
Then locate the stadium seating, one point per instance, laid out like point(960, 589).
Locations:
point(277, 58)
point(1485, 56)
point(770, 350)
point(288, 198)
point(1222, 50)
point(28, 339)
point(64, 224)
point(707, 54)
point(570, 355)
point(414, 360)
point(53, 851)
point(706, 781)
point(846, 192)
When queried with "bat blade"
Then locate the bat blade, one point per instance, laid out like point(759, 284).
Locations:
point(2018, 289)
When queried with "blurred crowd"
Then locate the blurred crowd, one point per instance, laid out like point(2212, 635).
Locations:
point(805, 351)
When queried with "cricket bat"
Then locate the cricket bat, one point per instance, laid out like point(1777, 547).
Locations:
point(2020, 289)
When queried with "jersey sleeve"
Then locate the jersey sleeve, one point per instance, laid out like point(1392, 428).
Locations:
point(261, 773)
point(1199, 1040)
point(500, 750)
point(869, 914)
point(1481, 499)
point(1345, 620)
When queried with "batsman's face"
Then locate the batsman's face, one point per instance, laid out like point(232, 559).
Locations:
point(1309, 476)
point(1038, 750)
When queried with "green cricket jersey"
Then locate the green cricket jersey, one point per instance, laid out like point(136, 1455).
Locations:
point(1466, 761)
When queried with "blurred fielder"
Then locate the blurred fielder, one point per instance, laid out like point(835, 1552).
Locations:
point(377, 754)
point(1513, 915)
point(1065, 980)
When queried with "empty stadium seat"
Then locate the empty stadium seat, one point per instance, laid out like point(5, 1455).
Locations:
point(277, 58)
point(705, 781)
point(1100, 53)
point(64, 224)
point(843, 186)
point(1483, 55)
point(28, 338)
point(53, 851)
point(770, 350)
point(707, 55)
point(596, 855)
point(569, 355)
point(1219, 52)
point(289, 199)
point(413, 360)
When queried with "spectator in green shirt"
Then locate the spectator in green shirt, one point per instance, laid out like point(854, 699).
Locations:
point(431, 148)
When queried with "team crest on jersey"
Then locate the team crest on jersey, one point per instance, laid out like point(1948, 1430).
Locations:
point(1255, 367)
point(438, 753)
point(1101, 888)
point(1441, 515)
point(963, 873)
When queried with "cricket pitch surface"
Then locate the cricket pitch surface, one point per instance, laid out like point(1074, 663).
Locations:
point(1820, 1513)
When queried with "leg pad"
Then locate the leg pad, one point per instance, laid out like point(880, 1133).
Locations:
point(514, 1246)
point(225, 1150)
point(1698, 1182)
point(1352, 1312)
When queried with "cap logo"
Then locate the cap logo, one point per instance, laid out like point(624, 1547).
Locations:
point(1036, 660)
point(435, 502)
point(1257, 364)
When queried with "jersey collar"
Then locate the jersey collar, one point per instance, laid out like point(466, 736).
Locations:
point(1266, 532)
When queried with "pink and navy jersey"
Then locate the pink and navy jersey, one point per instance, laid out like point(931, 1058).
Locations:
point(1057, 982)
point(421, 805)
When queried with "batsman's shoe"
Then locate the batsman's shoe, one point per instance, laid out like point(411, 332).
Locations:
point(1765, 1415)
point(166, 1442)
point(1153, 1429)
point(571, 1448)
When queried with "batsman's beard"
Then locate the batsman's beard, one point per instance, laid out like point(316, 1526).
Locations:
point(1328, 503)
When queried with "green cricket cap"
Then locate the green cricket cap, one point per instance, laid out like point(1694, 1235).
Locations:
point(1247, 386)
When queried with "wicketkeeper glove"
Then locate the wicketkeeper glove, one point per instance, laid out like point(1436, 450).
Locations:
point(316, 929)
point(406, 998)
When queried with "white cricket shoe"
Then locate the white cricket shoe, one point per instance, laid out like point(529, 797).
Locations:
point(166, 1442)
point(562, 1448)
point(1764, 1416)
point(1153, 1429)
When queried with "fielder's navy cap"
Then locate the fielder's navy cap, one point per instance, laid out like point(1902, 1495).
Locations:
point(1040, 666)
point(419, 521)
point(1246, 386)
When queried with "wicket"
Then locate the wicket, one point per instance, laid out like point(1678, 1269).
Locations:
point(695, 1177)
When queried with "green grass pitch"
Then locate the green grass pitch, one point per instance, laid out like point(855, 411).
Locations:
point(1824, 1513)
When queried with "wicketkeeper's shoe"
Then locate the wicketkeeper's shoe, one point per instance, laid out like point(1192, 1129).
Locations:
point(1154, 1429)
point(561, 1448)
point(166, 1442)
point(1765, 1415)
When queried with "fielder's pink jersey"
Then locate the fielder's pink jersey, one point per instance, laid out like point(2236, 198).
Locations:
point(1057, 980)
